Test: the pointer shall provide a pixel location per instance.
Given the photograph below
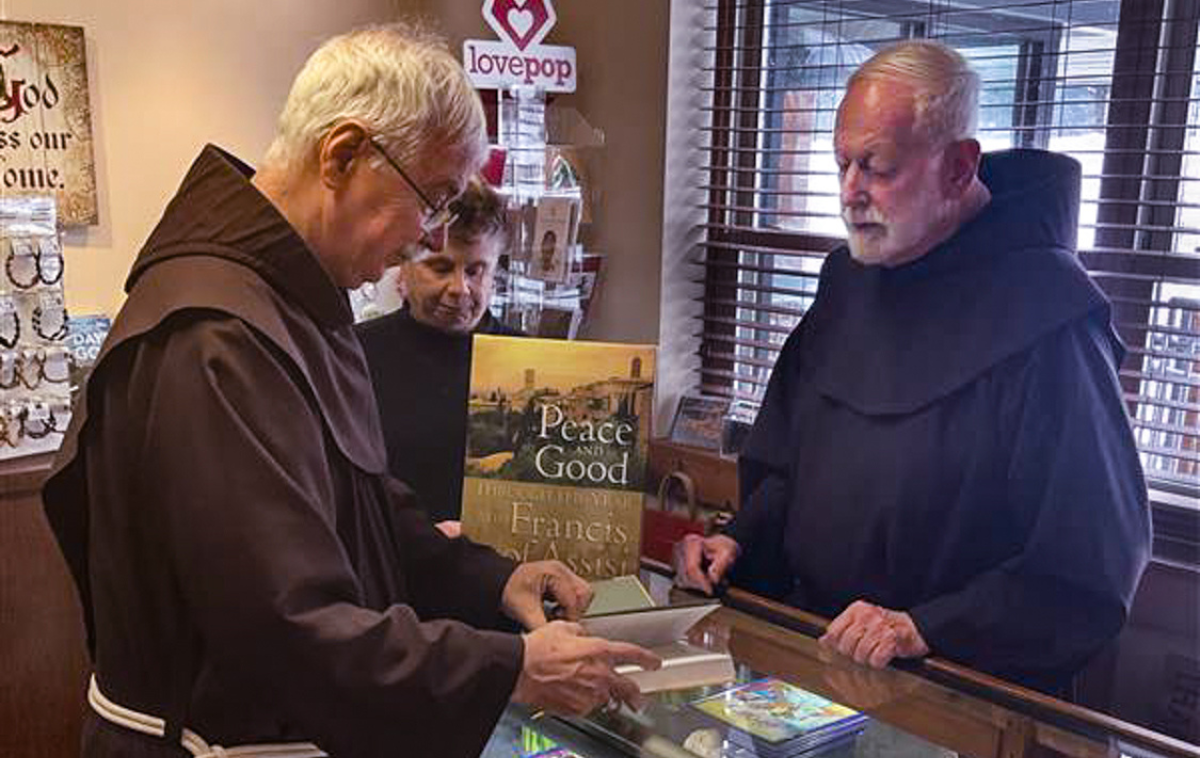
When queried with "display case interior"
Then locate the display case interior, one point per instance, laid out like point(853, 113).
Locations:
point(792, 697)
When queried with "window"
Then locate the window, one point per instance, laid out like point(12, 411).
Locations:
point(1112, 83)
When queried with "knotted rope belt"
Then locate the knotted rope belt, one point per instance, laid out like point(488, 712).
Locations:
point(192, 742)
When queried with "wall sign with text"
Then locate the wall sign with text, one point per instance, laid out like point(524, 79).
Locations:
point(45, 118)
point(519, 58)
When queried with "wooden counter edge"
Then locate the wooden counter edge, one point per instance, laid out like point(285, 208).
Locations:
point(25, 475)
point(993, 687)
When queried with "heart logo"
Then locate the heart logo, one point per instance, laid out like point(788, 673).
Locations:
point(522, 22)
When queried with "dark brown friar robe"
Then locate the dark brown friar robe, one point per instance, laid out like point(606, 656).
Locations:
point(246, 567)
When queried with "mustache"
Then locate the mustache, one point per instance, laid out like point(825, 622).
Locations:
point(852, 216)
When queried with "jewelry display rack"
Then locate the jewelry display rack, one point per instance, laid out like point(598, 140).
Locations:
point(35, 363)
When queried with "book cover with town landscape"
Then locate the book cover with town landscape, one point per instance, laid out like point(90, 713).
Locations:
point(557, 435)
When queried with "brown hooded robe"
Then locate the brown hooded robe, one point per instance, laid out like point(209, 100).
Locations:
point(246, 567)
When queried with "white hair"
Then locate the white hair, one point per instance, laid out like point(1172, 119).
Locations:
point(946, 88)
point(399, 80)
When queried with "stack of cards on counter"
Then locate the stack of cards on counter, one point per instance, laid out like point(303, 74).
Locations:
point(773, 719)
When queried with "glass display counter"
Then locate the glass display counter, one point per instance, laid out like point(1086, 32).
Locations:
point(917, 709)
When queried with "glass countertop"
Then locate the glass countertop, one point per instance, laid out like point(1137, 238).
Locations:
point(936, 712)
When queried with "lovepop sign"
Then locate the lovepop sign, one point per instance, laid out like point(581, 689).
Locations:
point(519, 58)
point(45, 119)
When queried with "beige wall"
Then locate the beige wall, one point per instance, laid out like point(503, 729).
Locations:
point(621, 48)
point(166, 77)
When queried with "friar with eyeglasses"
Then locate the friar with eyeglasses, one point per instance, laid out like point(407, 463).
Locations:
point(252, 580)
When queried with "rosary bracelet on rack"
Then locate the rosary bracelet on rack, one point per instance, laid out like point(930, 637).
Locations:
point(12, 426)
point(10, 370)
point(10, 323)
point(39, 365)
point(54, 364)
point(45, 265)
point(39, 428)
point(32, 367)
point(17, 424)
point(6, 428)
point(58, 333)
point(10, 328)
point(29, 368)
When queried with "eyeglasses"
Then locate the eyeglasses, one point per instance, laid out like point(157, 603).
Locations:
point(436, 216)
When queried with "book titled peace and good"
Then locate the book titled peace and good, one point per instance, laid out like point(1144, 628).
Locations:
point(557, 436)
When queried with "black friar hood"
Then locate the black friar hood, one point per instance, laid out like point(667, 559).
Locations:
point(893, 340)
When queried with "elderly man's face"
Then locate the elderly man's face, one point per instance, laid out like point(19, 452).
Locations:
point(893, 190)
point(451, 289)
point(375, 217)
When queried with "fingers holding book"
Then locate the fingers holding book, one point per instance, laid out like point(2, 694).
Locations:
point(568, 673)
point(537, 581)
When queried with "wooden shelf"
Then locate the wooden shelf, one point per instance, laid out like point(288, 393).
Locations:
point(715, 475)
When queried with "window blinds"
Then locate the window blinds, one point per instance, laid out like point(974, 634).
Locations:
point(1112, 83)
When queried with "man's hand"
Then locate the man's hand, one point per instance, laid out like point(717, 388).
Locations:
point(873, 635)
point(862, 687)
point(533, 582)
point(701, 562)
point(451, 529)
point(570, 674)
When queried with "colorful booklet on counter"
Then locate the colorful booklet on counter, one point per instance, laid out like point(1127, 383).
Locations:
point(777, 719)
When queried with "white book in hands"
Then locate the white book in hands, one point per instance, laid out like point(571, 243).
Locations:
point(663, 631)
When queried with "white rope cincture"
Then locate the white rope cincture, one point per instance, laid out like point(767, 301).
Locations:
point(192, 742)
point(122, 716)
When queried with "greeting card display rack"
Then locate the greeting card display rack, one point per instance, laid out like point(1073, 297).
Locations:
point(546, 282)
point(35, 364)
